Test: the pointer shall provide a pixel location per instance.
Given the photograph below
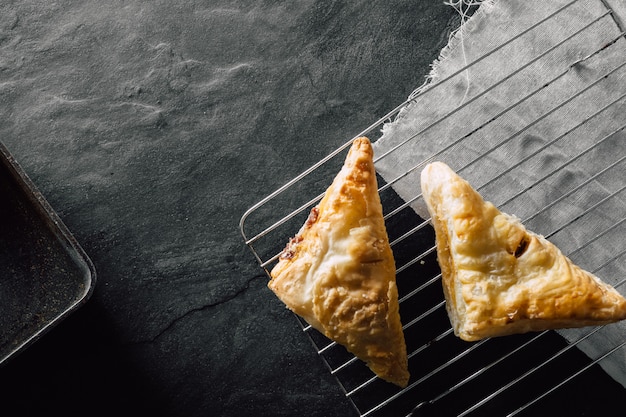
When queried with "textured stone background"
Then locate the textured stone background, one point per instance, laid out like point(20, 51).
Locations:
point(151, 126)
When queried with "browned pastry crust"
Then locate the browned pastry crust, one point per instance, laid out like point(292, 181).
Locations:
point(338, 272)
point(499, 278)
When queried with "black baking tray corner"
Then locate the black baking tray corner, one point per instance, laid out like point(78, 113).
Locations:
point(44, 273)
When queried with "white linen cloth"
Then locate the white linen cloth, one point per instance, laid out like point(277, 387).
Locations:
point(526, 103)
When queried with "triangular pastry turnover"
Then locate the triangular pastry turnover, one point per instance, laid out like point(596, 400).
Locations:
point(338, 272)
point(499, 278)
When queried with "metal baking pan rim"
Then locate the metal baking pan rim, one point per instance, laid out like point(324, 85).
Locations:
point(41, 205)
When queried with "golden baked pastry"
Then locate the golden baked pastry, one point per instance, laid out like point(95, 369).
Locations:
point(499, 278)
point(338, 272)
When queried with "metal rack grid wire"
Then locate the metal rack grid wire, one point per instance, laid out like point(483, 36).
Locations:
point(503, 376)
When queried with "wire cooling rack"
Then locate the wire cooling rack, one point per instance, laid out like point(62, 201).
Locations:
point(501, 376)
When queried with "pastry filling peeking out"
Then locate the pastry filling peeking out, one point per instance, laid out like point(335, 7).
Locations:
point(521, 248)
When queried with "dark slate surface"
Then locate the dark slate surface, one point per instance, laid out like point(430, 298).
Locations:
point(151, 126)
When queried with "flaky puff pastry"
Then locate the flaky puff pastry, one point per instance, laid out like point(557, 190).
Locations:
point(499, 278)
point(338, 272)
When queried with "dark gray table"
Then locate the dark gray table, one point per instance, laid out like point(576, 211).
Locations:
point(151, 127)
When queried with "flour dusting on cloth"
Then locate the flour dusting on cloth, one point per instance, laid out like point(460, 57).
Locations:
point(527, 103)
